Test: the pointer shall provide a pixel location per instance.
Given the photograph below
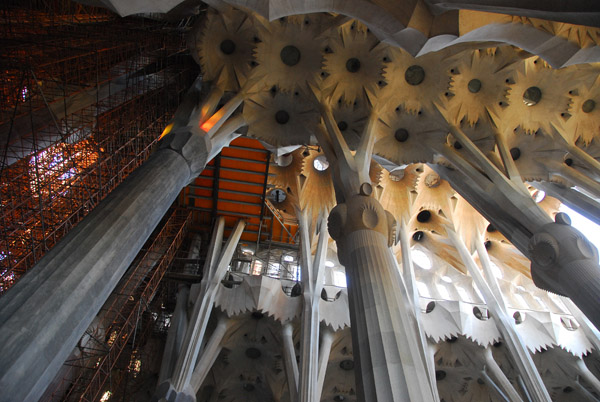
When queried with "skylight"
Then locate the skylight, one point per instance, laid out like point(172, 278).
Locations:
point(584, 225)
point(421, 259)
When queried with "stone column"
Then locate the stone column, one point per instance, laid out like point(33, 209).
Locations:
point(179, 386)
point(499, 376)
point(389, 366)
point(312, 281)
point(289, 359)
point(408, 272)
point(563, 261)
point(177, 329)
point(43, 316)
point(519, 352)
point(327, 336)
point(210, 352)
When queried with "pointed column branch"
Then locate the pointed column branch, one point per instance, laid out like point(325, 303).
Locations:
point(175, 335)
point(588, 395)
point(574, 176)
point(202, 309)
point(509, 163)
point(587, 375)
point(327, 336)
point(408, 271)
point(577, 153)
point(289, 359)
point(210, 352)
point(486, 264)
point(499, 376)
point(519, 196)
point(312, 278)
point(514, 343)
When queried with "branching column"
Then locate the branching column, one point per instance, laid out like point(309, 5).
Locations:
point(389, 365)
point(312, 279)
point(493, 299)
point(180, 384)
point(563, 261)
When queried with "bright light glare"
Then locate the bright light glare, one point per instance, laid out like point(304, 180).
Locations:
point(320, 163)
point(421, 259)
point(584, 225)
point(288, 258)
point(443, 292)
point(105, 396)
point(329, 264)
point(447, 279)
point(339, 279)
point(496, 270)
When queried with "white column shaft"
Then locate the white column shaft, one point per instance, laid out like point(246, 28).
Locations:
point(515, 345)
point(209, 354)
point(202, 310)
point(327, 337)
point(289, 358)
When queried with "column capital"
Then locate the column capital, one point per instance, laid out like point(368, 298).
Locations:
point(554, 249)
point(192, 143)
point(361, 212)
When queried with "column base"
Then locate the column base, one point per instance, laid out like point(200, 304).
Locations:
point(166, 392)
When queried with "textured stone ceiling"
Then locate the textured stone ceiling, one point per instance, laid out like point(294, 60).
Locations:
point(541, 104)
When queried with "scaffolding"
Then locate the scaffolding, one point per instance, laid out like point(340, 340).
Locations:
point(83, 100)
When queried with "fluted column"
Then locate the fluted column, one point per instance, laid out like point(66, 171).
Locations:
point(384, 335)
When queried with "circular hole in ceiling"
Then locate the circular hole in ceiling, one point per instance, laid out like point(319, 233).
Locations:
point(277, 195)
point(519, 317)
point(424, 216)
point(347, 365)
point(481, 313)
point(532, 96)
point(588, 106)
point(253, 353)
point(320, 163)
point(414, 75)
point(290, 55)
point(539, 195)
point(353, 65)
point(282, 117)
point(227, 46)
point(401, 135)
point(474, 85)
